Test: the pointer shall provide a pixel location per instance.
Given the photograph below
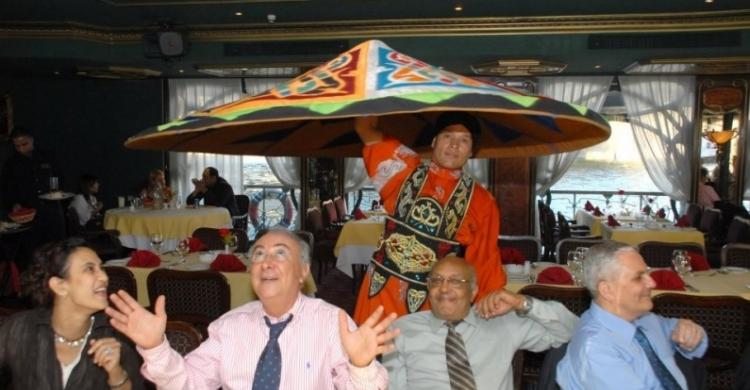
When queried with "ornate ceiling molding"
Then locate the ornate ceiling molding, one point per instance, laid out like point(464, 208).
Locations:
point(545, 25)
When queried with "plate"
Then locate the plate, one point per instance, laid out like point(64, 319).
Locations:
point(118, 262)
point(55, 195)
point(543, 264)
point(524, 277)
point(734, 270)
point(197, 266)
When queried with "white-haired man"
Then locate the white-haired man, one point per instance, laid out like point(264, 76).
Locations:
point(283, 341)
point(619, 343)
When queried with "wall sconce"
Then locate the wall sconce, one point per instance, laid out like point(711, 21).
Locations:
point(720, 138)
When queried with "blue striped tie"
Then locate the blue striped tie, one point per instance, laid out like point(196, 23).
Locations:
point(662, 373)
point(268, 371)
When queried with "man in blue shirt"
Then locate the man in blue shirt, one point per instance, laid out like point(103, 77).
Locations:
point(619, 343)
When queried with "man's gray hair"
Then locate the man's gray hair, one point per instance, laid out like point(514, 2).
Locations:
point(602, 262)
point(304, 247)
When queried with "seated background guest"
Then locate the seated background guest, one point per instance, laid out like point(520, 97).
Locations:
point(85, 204)
point(66, 342)
point(619, 343)
point(452, 346)
point(284, 340)
point(156, 188)
point(214, 190)
point(706, 193)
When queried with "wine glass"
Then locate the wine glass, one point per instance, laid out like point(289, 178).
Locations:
point(183, 248)
point(575, 264)
point(156, 241)
point(680, 261)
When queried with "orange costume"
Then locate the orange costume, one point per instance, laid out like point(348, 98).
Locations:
point(432, 212)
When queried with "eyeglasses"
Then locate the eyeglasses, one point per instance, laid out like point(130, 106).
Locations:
point(437, 281)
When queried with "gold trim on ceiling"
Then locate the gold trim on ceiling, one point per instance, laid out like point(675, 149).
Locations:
point(158, 3)
point(365, 29)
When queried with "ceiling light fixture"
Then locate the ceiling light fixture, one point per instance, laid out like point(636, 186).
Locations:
point(458, 8)
point(518, 67)
point(238, 13)
point(265, 70)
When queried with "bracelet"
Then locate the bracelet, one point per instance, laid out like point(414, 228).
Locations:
point(121, 383)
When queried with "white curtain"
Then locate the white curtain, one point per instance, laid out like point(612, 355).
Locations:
point(355, 175)
point(661, 109)
point(286, 169)
point(588, 91)
point(188, 95)
point(746, 156)
point(585, 91)
point(479, 169)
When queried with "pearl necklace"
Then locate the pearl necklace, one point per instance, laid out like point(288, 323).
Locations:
point(75, 343)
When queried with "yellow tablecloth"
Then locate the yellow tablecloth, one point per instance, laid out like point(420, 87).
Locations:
point(241, 291)
point(636, 235)
point(594, 223)
point(356, 243)
point(137, 226)
point(706, 282)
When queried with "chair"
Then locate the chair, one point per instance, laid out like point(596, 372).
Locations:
point(213, 241)
point(710, 224)
point(182, 336)
point(325, 241)
point(105, 243)
point(530, 246)
point(694, 213)
point(735, 254)
point(332, 216)
point(198, 297)
point(243, 205)
point(569, 244)
point(658, 254)
point(341, 210)
point(548, 229)
point(577, 300)
point(121, 278)
point(739, 230)
point(726, 320)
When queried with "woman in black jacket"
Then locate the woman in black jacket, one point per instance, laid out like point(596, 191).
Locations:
point(67, 342)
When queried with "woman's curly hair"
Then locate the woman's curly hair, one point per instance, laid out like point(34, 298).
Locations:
point(49, 260)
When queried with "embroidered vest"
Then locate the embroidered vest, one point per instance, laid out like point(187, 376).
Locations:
point(419, 232)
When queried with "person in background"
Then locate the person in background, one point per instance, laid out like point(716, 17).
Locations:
point(453, 345)
point(156, 188)
point(706, 193)
point(214, 190)
point(66, 343)
point(26, 174)
point(283, 340)
point(85, 204)
point(433, 208)
point(619, 343)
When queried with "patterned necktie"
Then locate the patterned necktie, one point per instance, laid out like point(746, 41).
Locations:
point(662, 373)
point(459, 369)
point(268, 371)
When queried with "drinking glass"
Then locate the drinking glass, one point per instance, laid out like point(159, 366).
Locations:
point(680, 261)
point(575, 265)
point(156, 241)
point(183, 248)
point(231, 243)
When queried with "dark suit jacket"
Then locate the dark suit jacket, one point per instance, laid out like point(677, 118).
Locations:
point(220, 195)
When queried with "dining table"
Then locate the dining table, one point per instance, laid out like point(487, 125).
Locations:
point(595, 222)
point(138, 225)
point(636, 233)
point(241, 289)
point(731, 281)
point(357, 241)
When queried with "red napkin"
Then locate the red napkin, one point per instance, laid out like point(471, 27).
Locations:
point(512, 256)
point(144, 259)
point(611, 221)
point(228, 263)
point(683, 221)
point(597, 212)
point(554, 275)
point(698, 262)
point(661, 214)
point(358, 214)
point(588, 206)
point(667, 280)
point(196, 245)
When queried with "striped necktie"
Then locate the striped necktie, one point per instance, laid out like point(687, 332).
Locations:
point(459, 369)
point(268, 371)
point(662, 373)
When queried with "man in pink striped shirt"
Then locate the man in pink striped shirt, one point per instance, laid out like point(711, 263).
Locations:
point(320, 346)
